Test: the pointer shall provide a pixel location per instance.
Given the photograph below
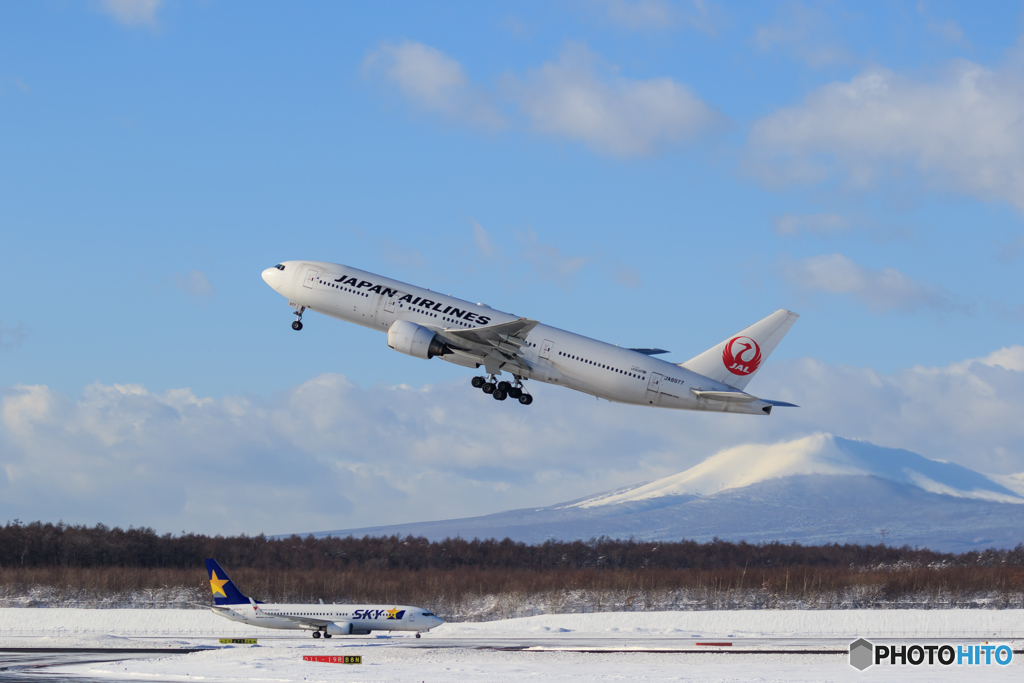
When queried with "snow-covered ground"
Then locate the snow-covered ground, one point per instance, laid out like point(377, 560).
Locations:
point(83, 624)
point(451, 652)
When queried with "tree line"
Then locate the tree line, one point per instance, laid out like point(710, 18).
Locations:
point(42, 545)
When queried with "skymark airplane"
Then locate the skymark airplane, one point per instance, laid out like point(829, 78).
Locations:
point(330, 620)
point(426, 324)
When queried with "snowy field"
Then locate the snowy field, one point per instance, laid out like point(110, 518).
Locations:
point(478, 651)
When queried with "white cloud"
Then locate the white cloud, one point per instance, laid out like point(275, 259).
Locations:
point(965, 412)
point(328, 454)
point(545, 261)
point(961, 133)
point(548, 261)
point(132, 12)
point(626, 276)
point(12, 337)
point(431, 80)
point(803, 32)
point(947, 29)
point(1012, 250)
point(885, 289)
point(401, 255)
point(640, 15)
point(832, 225)
point(1008, 357)
point(791, 224)
point(613, 115)
point(196, 284)
point(575, 98)
point(483, 242)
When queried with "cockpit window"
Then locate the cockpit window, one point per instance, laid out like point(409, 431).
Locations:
point(427, 614)
point(279, 266)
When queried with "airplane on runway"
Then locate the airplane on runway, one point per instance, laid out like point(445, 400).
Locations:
point(426, 324)
point(329, 620)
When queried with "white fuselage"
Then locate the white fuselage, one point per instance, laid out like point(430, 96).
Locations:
point(554, 356)
point(345, 618)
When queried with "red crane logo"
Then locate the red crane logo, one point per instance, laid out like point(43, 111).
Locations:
point(742, 355)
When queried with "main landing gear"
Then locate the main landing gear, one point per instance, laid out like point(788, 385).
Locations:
point(502, 390)
point(316, 634)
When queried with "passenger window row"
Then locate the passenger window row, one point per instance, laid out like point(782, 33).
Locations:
point(602, 365)
point(344, 289)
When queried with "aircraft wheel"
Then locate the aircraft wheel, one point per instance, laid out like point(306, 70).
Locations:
point(297, 325)
point(417, 635)
point(316, 634)
point(478, 382)
point(526, 399)
point(488, 388)
point(327, 635)
point(500, 395)
point(504, 386)
point(515, 392)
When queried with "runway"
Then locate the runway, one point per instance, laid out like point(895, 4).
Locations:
point(728, 646)
point(30, 663)
point(601, 644)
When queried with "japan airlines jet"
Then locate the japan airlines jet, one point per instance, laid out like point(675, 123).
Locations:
point(330, 620)
point(426, 324)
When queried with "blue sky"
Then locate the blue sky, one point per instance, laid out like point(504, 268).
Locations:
point(647, 173)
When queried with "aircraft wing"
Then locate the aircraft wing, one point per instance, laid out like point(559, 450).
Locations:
point(299, 621)
point(305, 621)
point(501, 342)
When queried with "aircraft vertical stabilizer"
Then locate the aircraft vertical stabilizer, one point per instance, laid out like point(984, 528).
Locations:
point(224, 591)
point(737, 359)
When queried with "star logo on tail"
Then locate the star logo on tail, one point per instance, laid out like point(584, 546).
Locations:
point(217, 585)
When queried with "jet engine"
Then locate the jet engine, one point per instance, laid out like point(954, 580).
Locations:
point(415, 340)
point(344, 629)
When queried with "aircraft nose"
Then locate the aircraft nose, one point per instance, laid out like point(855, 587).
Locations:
point(270, 277)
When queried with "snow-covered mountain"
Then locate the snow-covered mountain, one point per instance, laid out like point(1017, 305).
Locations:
point(817, 489)
point(752, 464)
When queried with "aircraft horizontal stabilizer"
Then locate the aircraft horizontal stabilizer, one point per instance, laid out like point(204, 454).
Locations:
point(651, 352)
point(731, 396)
point(738, 397)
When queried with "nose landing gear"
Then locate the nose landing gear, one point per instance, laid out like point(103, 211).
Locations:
point(417, 635)
point(297, 325)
